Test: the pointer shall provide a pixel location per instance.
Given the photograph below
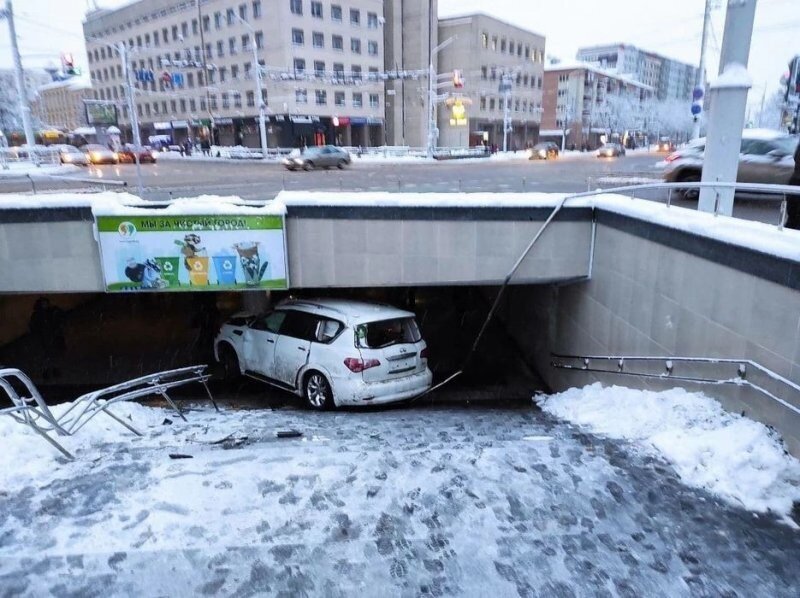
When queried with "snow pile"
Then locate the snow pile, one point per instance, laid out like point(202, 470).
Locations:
point(734, 76)
point(738, 459)
point(26, 458)
point(21, 169)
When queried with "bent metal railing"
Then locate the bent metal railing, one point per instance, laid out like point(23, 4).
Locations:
point(698, 370)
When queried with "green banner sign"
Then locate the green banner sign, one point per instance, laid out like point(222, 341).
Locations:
point(192, 252)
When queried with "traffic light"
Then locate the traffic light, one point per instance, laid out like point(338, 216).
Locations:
point(68, 63)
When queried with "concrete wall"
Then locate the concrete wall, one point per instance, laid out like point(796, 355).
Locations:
point(49, 251)
point(54, 250)
point(362, 247)
point(661, 292)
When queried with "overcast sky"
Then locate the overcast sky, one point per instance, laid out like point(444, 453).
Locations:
point(671, 27)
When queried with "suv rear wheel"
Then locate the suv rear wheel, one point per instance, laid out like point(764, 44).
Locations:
point(692, 194)
point(317, 391)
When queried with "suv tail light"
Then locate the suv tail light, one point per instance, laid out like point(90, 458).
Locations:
point(356, 364)
point(672, 157)
point(424, 353)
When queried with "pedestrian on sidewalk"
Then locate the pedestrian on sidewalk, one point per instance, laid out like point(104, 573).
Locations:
point(46, 326)
point(793, 201)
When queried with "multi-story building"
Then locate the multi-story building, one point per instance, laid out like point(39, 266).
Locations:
point(195, 68)
point(60, 104)
point(10, 117)
point(488, 54)
point(582, 103)
point(672, 79)
point(411, 31)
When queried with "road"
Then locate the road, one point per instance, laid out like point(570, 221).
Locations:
point(177, 177)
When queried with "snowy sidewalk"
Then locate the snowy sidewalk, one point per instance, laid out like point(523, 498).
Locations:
point(438, 501)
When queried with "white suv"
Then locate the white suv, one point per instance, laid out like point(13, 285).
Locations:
point(331, 352)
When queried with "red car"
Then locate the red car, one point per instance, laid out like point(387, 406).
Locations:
point(127, 154)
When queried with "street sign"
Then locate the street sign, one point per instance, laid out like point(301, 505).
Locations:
point(696, 109)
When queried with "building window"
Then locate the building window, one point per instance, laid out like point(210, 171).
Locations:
point(316, 9)
point(243, 12)
point(220, 48)
point(299, 65)
point(232, 46)
point(296, 6)
point(184, 31)
point(260, 40)
point(230, 16)
point(208, 51)
point(491, 103)
point(527, 52)
point(484, 73)
point(217, 20)
point(247, 67)
point(372, 48)
point(225, 101)
point(298, 38)
point(337, 42)
point(319, 68)
point(338, 71)
point(256, 9)
point(355, 17)
point(336, 13)
point(372, 20)
point(174, 33)
point(234, 71)
point(358, 101)
point(356, 72)
point(183, 105)
point(251, 99)
point(192, 105)
point(355, 45)
point(190, 80)
point(245, 43)
point(321, 96)
point(318, 39)
point(338, 98)
point(237, 100)
point(483, 103)
point(223, 73)
point(301, 96)
point(206, 23)
point(374, 100)
point(494, 43)
point(484, 40)
point(503, 44)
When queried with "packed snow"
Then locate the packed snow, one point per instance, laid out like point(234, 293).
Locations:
point(736, 458)
point(24, 168)
point(734, 76)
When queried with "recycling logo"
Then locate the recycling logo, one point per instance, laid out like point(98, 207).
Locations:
point(167, 267)
point(126, 229)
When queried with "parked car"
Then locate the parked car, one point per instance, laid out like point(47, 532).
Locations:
point(331, 352)
point(610, 150)
point(545, 150)
point(99, 154)
point(765, 157)
point(127, 154)
point(69, 154)
point(324, 156)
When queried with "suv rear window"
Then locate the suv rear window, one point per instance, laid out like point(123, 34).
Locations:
point(397, 331)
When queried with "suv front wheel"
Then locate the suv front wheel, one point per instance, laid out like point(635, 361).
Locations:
point(691, 193)
point(317, 391)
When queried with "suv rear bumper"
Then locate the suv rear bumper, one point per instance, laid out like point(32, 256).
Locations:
point(353, 391)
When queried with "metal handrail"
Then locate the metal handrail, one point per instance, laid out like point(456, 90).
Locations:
point(669, 364)
point(757, 187)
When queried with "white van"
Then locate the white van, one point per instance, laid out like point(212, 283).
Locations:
point(332, 352)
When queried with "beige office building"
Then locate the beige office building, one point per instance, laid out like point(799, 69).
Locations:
point(485, 50)
point(60, 104)
point(324, 61)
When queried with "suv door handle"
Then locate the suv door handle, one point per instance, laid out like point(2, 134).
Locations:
point(302, 348)
point(269, 340)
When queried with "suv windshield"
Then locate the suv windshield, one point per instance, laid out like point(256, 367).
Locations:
point(376, 335)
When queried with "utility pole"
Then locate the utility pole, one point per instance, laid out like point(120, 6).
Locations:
point(30, 140)
point(134, 117)
point(433, 131)
point(699, 82)
point(728, 102)
point(262, 126)
point(205, 72)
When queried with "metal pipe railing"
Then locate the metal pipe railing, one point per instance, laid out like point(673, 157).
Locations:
point(740, 379)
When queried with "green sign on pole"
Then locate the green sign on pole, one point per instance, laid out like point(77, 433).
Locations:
point(192, 253)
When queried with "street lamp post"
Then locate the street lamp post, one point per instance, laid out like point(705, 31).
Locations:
point(134, 117)
point(30, 139)
point(262, 126)
point(432, 132)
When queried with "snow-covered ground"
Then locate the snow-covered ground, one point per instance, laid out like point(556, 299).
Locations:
point(734, 457)
point(430, 501)
point(23, 168)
